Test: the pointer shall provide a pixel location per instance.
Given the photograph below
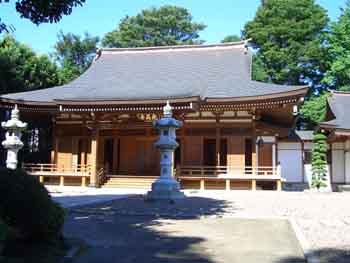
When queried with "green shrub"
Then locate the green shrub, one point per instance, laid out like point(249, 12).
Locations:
point(319, 161)
point(26, 206)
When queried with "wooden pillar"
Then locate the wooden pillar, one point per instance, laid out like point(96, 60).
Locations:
point(254, 148)
point(183, 143)
point(217, 142)
point(55, 142)
point(94, 157)
point(54, 149)
point(274, 155)
point(115, 155)
point(303, 161)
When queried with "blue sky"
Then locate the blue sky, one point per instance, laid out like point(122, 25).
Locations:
point(223, 17)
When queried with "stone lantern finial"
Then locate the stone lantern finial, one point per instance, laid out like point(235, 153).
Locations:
point(167, 110)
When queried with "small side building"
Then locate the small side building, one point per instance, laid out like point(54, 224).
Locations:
point(337, 127)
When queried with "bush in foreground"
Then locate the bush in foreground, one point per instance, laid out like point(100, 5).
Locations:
point(26, 206)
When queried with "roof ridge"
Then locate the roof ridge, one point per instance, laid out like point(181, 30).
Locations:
point(242, 43)
point(338, 92)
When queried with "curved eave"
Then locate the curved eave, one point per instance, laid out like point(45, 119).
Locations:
point(28, 102)
point(301, 92)
point(125, 102)
point(56, 103)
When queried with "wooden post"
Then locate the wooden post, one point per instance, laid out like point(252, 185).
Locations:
point(94, 158)
point(83, 181)
point(228, 185)
point(202, 185)
point(254, 185)
point(279, 185)
point(61, 180)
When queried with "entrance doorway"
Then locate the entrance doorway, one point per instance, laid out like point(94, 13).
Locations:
point(209, 149)
point(108, 155)
point(209, 152)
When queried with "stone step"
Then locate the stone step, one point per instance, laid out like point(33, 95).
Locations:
point(344, 188)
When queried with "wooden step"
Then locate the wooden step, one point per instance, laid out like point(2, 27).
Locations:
point(139, 182)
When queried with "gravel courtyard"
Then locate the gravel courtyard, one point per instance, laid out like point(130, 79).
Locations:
point(323, 219)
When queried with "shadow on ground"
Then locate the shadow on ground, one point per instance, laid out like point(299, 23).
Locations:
point(124, 230)
point(80, 200)
point(326, 255)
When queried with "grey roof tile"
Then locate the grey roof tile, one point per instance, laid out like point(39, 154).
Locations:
point(217, 71)
point(339, 107)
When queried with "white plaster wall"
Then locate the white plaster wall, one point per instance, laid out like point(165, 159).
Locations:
point(338, 163)
point(290, 159)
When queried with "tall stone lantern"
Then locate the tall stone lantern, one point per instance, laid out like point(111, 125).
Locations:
point(166, 187)
point(14, 128)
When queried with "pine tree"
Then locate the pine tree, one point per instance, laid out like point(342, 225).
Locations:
point(319, 161)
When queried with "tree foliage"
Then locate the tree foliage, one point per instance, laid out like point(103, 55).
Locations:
point(74, 54)
point(338, 42)
point(167, 25)
point(259, 72)
point(231, 38)
point(319, 161)
point(48, 11)
point(286, 35)
point(314, 109)
point(22, 70)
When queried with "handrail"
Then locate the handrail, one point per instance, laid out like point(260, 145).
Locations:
point(219, 171)
point(40, 168)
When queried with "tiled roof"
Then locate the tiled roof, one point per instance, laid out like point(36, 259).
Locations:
point(338, 107)
point(205, 71)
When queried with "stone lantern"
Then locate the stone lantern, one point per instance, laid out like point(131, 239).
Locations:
point(166, 187)
point(12, 142)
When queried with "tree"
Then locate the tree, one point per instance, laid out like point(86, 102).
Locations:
point(22, 70)
point(74, 54)
point(338, 42)
point(319, 161)
point(259, 72)
point(167, 25)
point(314, 109)
point(49, 11)
point(231, 38)
point(286, 35)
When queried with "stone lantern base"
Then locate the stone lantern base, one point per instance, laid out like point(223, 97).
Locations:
point(165, 189)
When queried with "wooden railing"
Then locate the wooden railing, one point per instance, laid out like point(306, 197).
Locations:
point(229, 171)
point(54, 169)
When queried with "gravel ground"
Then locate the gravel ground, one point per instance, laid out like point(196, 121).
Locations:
point(323, 218)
